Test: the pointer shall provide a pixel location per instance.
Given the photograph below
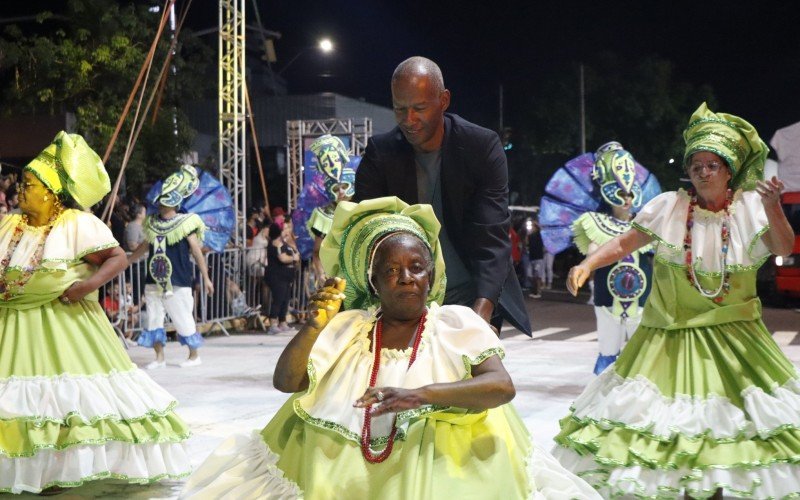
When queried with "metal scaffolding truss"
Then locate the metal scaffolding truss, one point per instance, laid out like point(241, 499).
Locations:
point(232, 109)
point(297, 131)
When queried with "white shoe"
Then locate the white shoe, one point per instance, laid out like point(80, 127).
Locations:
point(191, 362)
point(154, 365)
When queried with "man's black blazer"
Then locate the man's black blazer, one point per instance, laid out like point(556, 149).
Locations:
point(474, 183)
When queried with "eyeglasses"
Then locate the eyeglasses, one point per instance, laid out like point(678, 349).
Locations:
point(696, 168)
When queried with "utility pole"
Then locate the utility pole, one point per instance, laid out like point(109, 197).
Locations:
point(500, 109)
point(582, 111)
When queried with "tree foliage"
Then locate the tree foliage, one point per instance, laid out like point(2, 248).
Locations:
point(83, 58)
point(641, 104)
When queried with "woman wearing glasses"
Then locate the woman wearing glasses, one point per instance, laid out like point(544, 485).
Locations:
point(701, 399)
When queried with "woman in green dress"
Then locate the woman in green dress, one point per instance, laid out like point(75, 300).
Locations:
point(408, 401)
point(73, 407)
point(701, 399)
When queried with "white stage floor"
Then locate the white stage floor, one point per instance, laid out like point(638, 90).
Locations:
point(232, 392)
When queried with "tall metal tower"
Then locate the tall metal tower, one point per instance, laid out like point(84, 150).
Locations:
point(233, 109)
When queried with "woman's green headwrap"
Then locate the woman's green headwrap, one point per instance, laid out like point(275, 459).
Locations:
point(732, 139)
point(347, 249)
point(69, 166)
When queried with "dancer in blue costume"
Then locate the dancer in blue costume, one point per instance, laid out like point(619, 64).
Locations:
point(702, 398)
point(170, 238)
point(588, 214)
point(619, 290)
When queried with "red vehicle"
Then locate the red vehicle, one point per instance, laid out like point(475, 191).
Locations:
point(787, 269)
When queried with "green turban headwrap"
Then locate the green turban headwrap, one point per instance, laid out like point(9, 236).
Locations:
point(348, 248)
point(69, 166)
point(732, 139)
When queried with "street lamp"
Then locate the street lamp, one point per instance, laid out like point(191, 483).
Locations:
point(325, 45)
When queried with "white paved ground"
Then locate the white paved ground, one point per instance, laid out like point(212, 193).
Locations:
point(232, 392)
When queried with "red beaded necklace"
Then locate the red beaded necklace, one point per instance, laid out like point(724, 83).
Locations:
point(366, 430)
point(724, 286)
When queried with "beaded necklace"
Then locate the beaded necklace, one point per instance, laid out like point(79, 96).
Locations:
point(366, 430)
point(724, 286)
point(10, 288)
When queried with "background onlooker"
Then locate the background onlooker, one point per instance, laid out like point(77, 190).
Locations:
point(5, 184)
point(134, 236)
point(280, 275)
point(536, 256)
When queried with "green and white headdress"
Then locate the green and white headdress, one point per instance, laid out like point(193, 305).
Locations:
point(349, 247)
point(731, 138)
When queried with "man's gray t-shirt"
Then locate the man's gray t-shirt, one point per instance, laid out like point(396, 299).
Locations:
point(134, 235)
point(429, 190)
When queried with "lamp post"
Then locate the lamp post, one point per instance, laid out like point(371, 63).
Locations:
point(325, 45)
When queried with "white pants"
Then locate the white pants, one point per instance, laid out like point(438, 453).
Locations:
point(179, 306)
point(612, 332)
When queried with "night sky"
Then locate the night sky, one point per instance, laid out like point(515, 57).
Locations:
point(748, 52)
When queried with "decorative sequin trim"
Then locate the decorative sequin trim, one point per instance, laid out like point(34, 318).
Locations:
point(656, 237)
point(153, 440)
point(40, 421)
point(483, 356)
point(109, 475)
point(731, 268)
point(342, 430)
point(755, 239)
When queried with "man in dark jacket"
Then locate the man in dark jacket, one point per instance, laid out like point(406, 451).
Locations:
point(460, 168)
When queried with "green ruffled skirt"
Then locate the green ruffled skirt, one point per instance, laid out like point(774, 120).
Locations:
point(442, 455)
point(690, 410)
point(73, 407)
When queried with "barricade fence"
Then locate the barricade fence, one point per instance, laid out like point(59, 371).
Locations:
point(240, 291)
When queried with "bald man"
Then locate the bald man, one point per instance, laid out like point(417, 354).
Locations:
point(460, 168)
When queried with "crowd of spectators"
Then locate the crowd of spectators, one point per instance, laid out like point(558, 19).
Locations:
point(270, 292)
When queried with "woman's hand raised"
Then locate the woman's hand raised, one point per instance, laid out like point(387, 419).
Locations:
point(326, 302)
point(770, 191)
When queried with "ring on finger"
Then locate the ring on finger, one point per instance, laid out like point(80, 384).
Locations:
point(379, 396)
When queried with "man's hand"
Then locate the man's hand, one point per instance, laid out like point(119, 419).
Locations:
point(484, 308)
point(209, 286)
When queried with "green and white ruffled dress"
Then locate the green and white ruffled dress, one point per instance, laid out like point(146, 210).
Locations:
point(701, 397)
point(73, 407)
point(311, 449)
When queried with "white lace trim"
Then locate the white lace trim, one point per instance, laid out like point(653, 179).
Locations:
point(637, 403)
point(121, 395)
point(549, 479)
point(241, 467)
point(665, 216)
point(137, 463)
point(74, 234)
point(777, 480)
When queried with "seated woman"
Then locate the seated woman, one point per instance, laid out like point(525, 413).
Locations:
point(406, 400)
